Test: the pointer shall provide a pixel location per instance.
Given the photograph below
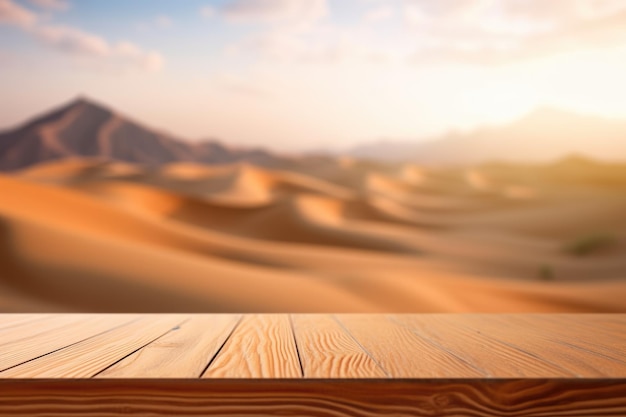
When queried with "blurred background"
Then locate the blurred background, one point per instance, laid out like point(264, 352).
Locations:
point(313, 156)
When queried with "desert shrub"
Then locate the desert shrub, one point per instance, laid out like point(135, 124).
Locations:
point(546, 273)
point(588, 244)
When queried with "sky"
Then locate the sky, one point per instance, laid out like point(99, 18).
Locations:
point(313, 74)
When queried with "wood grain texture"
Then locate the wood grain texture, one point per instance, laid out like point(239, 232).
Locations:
point(328, 351)
point(14, 320)
point(25, 332)
point(183, 353)
point(301, 397)
point(40, 337)
point(402, 353)
point(494, 357)
point(560, 350)
point(92, 355)
point(606, 339)
point(313, 365)
point(318, 346)
point(262, 346)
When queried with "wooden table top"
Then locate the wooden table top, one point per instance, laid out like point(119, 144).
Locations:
point(294, 346)
point(312, 365)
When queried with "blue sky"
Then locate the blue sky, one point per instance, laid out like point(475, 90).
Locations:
point(302, 74)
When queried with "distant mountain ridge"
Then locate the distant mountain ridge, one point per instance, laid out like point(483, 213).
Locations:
point(84, 128)
point(543, 135)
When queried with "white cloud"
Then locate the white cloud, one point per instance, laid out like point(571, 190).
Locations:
point(272, 11)
point(599, 8)
point(449, 9)
point(413, 15)
point(85, 45)
point(290, 30)
point(378, 14)
point(296, 34)
point(73, 40)
point(484, 32)
point(13, 14)
point(491, 32)
point(326, 45)
point(130, 53)
point(51, 4)
point(562, 11)
point(89, 47)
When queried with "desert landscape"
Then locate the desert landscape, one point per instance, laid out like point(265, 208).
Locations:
point(85, 226)
point(313, 156)
point(313, 207)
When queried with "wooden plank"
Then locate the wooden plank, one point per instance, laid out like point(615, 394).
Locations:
point(612, 325)
point(401, 352)
point(601, 319)
point(495, 357)
point(35, 328)
point(541, 342)
point(87, 358)
point(14, 320)
point(327, 351)
point(315, 398)
point(184, 353)
point(262, 346)
point(353, 365)
point(605, 339)
point(40, 337)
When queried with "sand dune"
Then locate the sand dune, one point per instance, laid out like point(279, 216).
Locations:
point(91, 235)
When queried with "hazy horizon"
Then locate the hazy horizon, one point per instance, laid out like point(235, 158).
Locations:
point(296, 75)
point(544, 112)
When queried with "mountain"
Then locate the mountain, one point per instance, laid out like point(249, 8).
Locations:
point(84, 128)
point(543, 135)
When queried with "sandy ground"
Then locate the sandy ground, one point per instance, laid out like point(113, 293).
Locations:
point(85, 235)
